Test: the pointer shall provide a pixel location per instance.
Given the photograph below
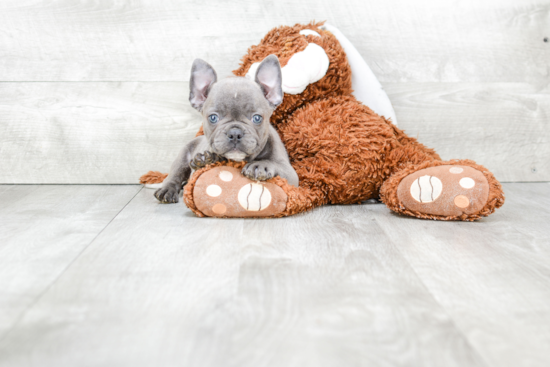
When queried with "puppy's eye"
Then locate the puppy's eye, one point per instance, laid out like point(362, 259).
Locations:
point(213, 118)
point(257, 119)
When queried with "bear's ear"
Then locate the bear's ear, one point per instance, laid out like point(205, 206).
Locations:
point(270, 78)
point(202, 77)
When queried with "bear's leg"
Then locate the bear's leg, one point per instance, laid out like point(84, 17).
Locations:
point(453, 190)
point(220, 190)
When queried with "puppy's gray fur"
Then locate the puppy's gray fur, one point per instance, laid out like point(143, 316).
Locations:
point(235, 101)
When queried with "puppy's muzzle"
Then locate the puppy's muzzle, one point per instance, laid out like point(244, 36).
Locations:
point(235, 135)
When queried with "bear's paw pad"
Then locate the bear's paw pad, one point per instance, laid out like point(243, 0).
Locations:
point(448, 190)
point(224, 192)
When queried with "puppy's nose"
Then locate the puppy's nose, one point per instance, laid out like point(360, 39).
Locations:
point(235, 134)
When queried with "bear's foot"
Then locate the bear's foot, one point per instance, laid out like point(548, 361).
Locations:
point(224, 192)
point(444, 191)
point(456, 190)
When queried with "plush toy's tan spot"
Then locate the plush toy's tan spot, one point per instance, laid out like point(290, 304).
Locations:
point(226, 176)
point(254, 197)
point(462, 201)
point(426, 189)
point(213, 190)
point(467, 182)
point(219, 209)
point(456, 170)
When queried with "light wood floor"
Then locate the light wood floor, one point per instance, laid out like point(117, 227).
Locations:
point(106, 276)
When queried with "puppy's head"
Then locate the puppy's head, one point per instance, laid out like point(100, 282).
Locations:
point(236, 111)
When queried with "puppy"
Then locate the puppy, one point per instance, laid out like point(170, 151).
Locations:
point(235, 113)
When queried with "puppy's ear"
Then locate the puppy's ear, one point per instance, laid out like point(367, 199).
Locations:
point(270, 78)
point(202, 77)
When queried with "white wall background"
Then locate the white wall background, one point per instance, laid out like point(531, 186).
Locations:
point(96, 91)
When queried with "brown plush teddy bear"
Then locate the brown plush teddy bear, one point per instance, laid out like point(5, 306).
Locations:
point(343, 152)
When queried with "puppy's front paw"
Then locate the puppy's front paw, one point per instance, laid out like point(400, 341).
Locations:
point(167, 195)
point(259, 171)
point(201, 160)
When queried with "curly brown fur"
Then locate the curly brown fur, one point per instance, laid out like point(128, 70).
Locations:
point(152, 177)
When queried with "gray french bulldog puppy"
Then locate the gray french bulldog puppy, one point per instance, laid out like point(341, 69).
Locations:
point(236, 113)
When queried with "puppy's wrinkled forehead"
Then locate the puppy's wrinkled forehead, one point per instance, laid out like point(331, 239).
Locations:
point(236, 96)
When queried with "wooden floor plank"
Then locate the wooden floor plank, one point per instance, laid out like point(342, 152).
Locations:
point(162, 287)
point(6, 188)
point(115, 132)
point(143, 40)
point(342, 285)
point(143, 286)
point(323, 289)
point(86, 133)
point(42, 230)
point(492, 276)
point(502, 126)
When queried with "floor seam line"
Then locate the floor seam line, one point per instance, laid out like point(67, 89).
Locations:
point(46, 290)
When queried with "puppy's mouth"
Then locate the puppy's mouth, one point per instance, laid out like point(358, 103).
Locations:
point(235, 155)
point(235, 147)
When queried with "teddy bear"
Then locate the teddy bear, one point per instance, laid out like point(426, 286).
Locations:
point(342, 151)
